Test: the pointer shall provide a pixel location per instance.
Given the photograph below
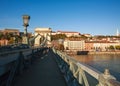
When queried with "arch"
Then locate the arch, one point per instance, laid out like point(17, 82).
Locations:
point(43, 37)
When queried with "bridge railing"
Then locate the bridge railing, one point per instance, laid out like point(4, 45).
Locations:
point(79, 71)
point(13, 62)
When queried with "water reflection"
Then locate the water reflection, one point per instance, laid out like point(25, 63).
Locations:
point(100, 62)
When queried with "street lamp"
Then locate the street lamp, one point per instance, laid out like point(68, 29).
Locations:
point(26, 19)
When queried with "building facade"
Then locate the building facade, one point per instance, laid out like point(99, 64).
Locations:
point(74, 45)
point(89, 46)
point(100, 46)
point(3, 42)
point(12, 31)
point(68, 33)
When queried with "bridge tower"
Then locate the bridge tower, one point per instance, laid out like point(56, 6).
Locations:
point(43, 33)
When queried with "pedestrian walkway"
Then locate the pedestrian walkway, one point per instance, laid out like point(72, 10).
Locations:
point(43, 72)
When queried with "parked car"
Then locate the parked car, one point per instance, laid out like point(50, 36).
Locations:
point(24, 46)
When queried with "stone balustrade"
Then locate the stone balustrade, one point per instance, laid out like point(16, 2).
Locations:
point(79, 71)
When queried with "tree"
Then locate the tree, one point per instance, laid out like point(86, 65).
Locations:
point(1, 36)
point(7, 36)
point(111, 47)
point(83, 37)
point(58, 36)
point(11, 41)
point(61, 47)
point(18, 39)
point(117, 47)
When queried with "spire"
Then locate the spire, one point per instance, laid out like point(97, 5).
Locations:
point(117, 34)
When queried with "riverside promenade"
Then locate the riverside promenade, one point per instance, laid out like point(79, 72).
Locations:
point(43, 72)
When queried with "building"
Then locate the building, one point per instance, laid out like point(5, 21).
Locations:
point(87, 35)
point(117, 33)
point(3, 42)
point(42, 33)
point(69, 33)
point(53, 33)
point(89, 46)
point(99, 45)
point(12, 31)
point(74, 45)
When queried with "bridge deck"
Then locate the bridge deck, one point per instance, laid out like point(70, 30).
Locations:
point(43, 72)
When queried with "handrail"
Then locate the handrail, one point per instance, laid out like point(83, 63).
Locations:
point(78, 69)
point(93, 72)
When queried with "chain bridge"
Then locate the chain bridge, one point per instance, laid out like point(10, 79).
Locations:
point(45, 66)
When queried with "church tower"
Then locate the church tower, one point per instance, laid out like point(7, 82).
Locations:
point(117, 34)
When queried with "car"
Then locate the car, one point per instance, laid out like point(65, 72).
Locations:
point(24, 46)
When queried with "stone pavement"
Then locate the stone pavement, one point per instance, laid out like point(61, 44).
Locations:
point(43, 72)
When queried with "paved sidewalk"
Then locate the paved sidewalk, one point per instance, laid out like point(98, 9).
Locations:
point(43, 72)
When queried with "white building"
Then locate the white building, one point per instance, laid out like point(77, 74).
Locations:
point(53, 33)
point(74, 45)
point(87, 35)
point(69, 33)
point(117, 33)
point(104, 45)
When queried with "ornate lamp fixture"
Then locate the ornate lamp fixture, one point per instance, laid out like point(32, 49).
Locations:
point(26, 19)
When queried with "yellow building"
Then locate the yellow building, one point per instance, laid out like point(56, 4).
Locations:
point(75, 45)
point(13, 31)
point(69, 33)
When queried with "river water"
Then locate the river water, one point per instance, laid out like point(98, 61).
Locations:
point(100, 62)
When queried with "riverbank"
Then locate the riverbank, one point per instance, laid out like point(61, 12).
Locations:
point(104, 52)
point(91, 52)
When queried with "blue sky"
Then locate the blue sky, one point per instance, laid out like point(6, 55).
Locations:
point(96, 17)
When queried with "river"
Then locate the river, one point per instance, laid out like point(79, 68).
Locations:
point(100, 62)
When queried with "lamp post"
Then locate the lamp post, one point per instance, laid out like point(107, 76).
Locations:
point(26, 19)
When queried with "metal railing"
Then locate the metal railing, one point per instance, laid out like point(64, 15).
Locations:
point(79, 71)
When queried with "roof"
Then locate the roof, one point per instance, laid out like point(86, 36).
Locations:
point(43, 29)
point(74, 39)
point(67, 31)
point(98, 42)
point(11, 29)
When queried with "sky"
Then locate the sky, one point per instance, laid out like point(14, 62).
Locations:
point(95, 17)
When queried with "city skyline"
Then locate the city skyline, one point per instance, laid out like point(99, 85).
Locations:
point(95, 17)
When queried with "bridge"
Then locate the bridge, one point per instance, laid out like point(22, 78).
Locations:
point(47, 67)
point(43, 66)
